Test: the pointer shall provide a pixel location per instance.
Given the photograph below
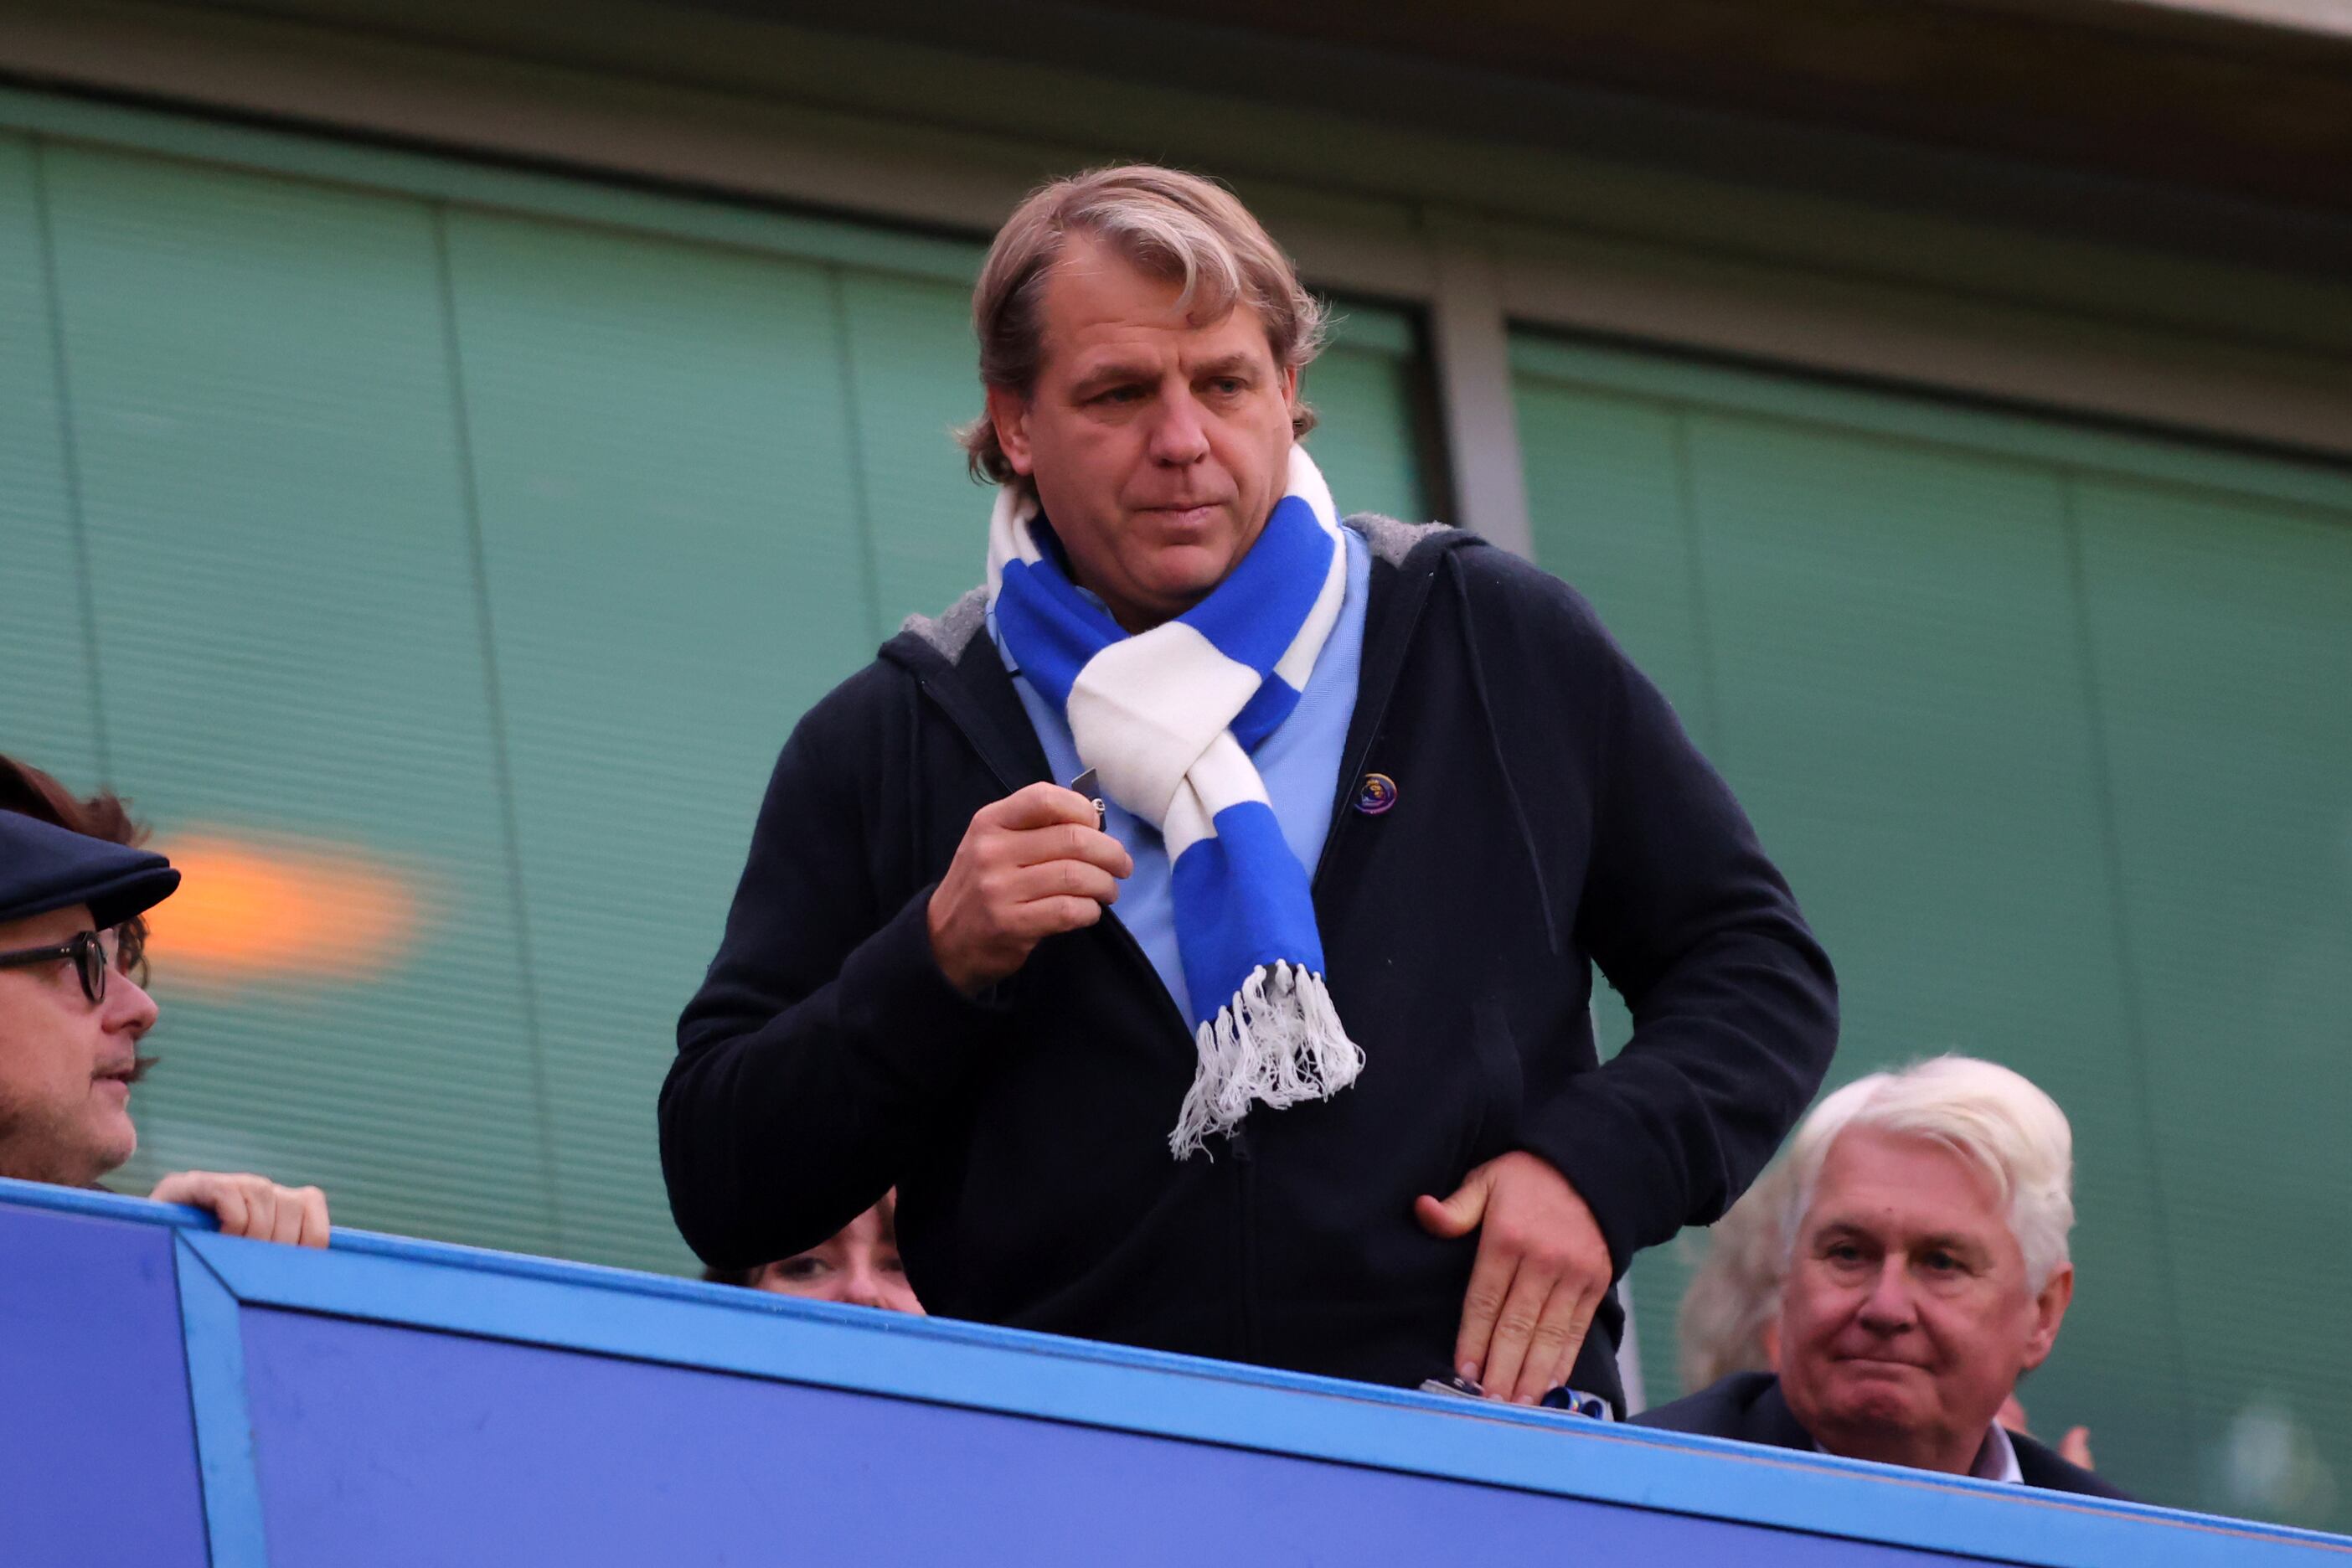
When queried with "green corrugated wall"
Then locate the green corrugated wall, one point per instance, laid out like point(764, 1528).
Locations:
point(2053, 733)
point(502, 549)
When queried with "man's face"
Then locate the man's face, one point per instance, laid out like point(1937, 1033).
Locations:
point(1158, 445)
point(858, 1265)
point(1906, 1320)
point(66, 1063)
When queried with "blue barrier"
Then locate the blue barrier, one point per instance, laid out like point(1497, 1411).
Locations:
point(168, 1396)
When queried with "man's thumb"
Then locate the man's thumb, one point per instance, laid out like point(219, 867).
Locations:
point(1457, 1215)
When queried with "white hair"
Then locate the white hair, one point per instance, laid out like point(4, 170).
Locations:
point(1735, 1292)
point(1981, 1111)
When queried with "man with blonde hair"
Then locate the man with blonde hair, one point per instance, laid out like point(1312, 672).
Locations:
point(1368, 799)
point(1926, 1216)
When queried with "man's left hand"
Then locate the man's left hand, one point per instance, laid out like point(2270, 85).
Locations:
point(1542, 1270)
point(250, 1206)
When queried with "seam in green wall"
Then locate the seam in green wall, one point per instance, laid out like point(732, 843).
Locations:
point(70, 458)
point(852, 429)
point(501, 749)
point(1920, 416)
point(2130, 994)
point(1714, 741)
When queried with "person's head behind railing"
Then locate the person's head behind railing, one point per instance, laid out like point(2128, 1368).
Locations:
point(74, 889)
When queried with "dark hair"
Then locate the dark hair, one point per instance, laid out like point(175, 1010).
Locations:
point(28, 791)
point(887, 1202)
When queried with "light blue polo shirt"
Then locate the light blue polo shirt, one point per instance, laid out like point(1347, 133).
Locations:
point(1301, 764)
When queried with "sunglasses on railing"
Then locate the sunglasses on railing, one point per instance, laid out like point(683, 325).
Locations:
point(92, 954)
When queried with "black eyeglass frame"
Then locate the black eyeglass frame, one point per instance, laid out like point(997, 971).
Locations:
point(87, 953)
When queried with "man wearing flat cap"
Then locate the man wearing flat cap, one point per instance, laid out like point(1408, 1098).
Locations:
point(1273, 1043)
point(72, 1018)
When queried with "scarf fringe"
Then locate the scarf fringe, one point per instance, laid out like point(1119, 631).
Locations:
point(1278, 1042)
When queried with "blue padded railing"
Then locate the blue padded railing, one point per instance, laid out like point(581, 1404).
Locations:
point(169, 1395)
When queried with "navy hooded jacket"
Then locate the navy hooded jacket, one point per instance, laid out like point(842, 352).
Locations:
point(1549, 815)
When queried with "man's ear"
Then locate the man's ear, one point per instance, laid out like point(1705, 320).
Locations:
point(1769, 1338)
point(1008, 412)
point(2048, 1311)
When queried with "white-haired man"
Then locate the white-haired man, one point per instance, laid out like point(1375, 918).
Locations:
point(1927, 1213)
point(1373, 798)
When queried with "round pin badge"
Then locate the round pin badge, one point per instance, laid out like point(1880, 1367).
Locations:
point(1376, 793)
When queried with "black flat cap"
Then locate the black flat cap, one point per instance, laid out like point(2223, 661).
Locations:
point(44, 867)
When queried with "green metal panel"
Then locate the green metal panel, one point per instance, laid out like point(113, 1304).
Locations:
point(48, 711)
point(292, 653)
point(2221, 632)
point(1873, 609)
point(1362, 388)
point(1604, 484)
point(912, 369)
point(676, 569)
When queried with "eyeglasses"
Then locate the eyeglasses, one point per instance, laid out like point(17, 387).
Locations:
point(90, 952)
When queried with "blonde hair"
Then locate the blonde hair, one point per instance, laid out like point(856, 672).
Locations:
point(1169, 225)
point(1735, 1292)
point(1995, 1119)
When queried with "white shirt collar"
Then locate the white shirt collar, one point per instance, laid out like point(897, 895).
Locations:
point(1997, 1460)
point(1996, 1457)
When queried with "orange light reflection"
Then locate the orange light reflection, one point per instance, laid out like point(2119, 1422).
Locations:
point(278, 910)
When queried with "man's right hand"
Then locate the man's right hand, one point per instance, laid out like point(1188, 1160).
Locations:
point(1030, 865)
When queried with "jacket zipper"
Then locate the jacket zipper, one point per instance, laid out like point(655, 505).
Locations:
point(1246, 1242)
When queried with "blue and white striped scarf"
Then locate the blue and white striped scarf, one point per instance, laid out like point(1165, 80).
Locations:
point(1168, 718)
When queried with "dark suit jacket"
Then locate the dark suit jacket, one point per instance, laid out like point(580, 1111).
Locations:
point(1748, 1406)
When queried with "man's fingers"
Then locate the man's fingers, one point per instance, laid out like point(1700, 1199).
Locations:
point(229, 1206)
point(1459, 1214)
point(250, 1206)
point(1552, 1349)
point(1031, 865)
point(1515, 1328)
point(1482, 1304)
point(316, 1231)
point(1061, 879)
point(1039, 805)
point(261, 1210)
point(178, 1187)
point(285, 1216)
point(1041, 918)
point(1071, 841)
point(1438, 1217)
